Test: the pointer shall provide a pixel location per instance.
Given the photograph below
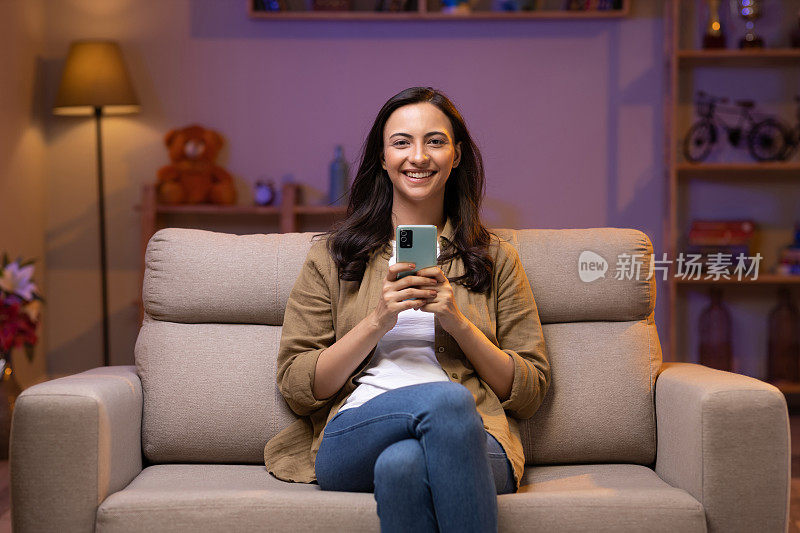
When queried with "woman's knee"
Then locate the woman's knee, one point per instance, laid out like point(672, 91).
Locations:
point(452, 408)
point(400, 464)
point(449, 396)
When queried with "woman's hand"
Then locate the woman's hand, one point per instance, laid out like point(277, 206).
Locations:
point(443, 305)
point(395, 291)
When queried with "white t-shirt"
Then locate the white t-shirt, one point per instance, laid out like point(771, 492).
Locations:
point(404, 355)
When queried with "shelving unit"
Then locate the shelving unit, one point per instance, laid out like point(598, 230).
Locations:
point(431, 10)
point(737, 58)
point(287, 214)
point(763, 279)
point(771, 170)
point(684, 63)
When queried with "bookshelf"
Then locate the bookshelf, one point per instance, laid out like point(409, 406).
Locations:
point(698, 190)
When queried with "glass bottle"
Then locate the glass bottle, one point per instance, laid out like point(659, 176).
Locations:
point(715, 334)
point(784, 340)
point(339, 188)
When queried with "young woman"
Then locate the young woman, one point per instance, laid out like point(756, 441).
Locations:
point(411, 388)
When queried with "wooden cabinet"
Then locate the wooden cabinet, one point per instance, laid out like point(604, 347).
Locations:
point(288, 216)
point(770, 190)
point(431, 10)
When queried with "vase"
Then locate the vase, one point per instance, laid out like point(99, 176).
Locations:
point(783, 355)
point(338, 187)
point(10, 390)
point(715, 334)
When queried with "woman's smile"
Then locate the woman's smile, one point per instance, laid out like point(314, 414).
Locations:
point(419, 177)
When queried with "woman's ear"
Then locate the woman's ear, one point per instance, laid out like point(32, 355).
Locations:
point(458, 155)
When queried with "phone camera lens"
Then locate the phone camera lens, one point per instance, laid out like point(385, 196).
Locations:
point(406, 238)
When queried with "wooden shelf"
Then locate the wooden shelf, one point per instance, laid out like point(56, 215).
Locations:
point(787, 387)
point(772, 169)
point(320, 210)
point(217, 209)
point(435, 15)
point(423, 12)
point(248, 210)
point(738, 58)
point(763, 279)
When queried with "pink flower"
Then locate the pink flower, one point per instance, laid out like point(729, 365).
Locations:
point(16, 279)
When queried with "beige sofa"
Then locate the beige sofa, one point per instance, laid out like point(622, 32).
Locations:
point(175, 443)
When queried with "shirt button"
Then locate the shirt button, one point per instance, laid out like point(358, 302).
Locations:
point(441, 348)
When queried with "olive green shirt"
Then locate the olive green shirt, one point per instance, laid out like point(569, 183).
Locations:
point(322, 309)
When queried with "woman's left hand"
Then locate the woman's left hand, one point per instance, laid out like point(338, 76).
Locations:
point(443, 305)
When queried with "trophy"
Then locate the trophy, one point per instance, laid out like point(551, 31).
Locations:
point(750, 11)
point(714, 37)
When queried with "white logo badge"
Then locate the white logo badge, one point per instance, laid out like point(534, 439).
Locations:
point(591, 266)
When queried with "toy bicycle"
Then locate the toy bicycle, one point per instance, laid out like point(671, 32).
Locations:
point(766, 139)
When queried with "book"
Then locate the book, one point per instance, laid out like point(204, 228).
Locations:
point(721, 232)
point(719, 238)
point(738, 225)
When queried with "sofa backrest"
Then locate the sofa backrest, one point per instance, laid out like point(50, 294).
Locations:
point(214, 305)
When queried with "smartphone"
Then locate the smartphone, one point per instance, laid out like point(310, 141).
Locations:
point(415, 244)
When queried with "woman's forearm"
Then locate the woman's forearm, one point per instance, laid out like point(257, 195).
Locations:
point(338, 361)
point(493, 365)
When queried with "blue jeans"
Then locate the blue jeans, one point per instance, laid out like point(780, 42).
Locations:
point(423, 451)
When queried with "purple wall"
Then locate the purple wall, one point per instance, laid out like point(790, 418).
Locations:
point(568, 116)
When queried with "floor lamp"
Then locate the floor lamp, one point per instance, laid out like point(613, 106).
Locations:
point(96, 82)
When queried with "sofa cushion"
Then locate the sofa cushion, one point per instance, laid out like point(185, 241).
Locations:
point(209, 391)
point(207, 349)
point(608, 497)
point(600, 406)
point(210, 394)
point(551, 260)
point(199, 276)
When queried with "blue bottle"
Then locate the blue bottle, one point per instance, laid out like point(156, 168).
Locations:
point(339, 188)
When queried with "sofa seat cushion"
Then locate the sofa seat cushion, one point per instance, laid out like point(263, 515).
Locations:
point(598, 498)
point(204, 497)
point(222, 498)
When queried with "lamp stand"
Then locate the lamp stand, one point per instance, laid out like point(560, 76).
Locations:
point(98, 113)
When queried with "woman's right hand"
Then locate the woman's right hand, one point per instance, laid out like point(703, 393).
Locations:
point(395, 291)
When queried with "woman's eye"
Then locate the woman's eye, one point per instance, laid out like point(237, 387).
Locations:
point(401, 143)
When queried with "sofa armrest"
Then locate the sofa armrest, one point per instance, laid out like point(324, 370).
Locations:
point(74, 441)
point(725, 439)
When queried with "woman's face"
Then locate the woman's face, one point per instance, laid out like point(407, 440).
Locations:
point(418, 140)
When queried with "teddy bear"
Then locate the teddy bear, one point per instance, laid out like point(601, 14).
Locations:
point(192, 177)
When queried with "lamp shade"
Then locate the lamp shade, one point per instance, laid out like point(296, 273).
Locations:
point(95, 76)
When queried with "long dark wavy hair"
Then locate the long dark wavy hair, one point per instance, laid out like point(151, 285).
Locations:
point(367, 225)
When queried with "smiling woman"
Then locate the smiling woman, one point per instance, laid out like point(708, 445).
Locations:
point(413, 383)
point(418, 156)
point(417, 130)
